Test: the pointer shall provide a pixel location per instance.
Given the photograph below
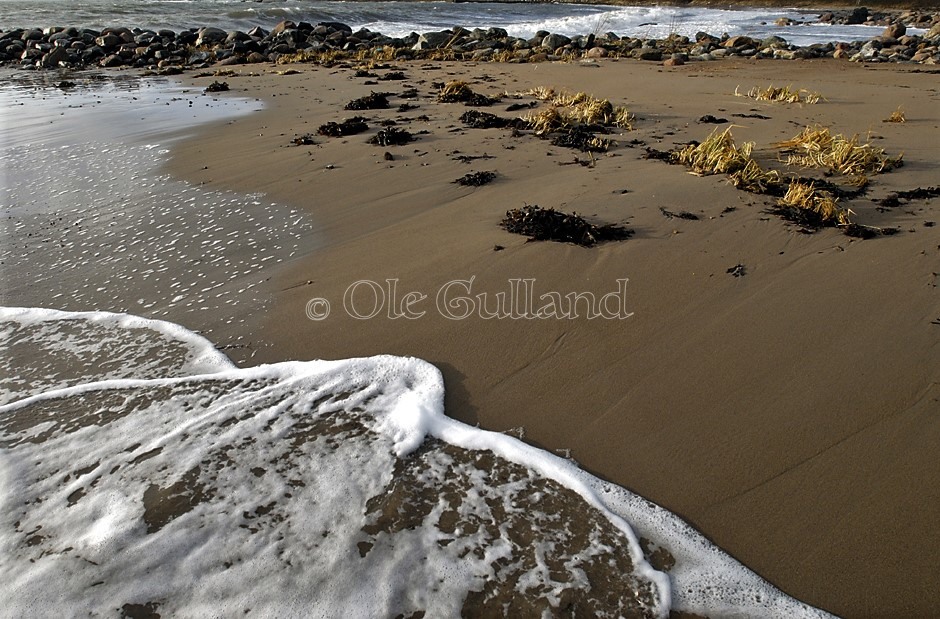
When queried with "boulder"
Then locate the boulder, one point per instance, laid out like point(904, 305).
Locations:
point(894, 31)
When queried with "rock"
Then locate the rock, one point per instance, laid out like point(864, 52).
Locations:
point(648, 53)
point(255, 58)
point(108, 41)
point(934, 32)
point(675, 61)
point(114, 60)
point(858, 16)
point(285, 25)
point(554, 41)
point(894, 31)
point(596, 52)
point(54, 57)
point(739, 42)
point(432, 40)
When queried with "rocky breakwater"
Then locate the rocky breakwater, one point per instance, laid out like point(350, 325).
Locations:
point(169, 51)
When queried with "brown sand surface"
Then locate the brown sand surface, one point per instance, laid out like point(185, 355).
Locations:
point(790, 414)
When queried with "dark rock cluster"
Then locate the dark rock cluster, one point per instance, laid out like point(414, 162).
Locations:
point(168, 50)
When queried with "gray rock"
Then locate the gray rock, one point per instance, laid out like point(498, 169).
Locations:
point(211, 36)
point(432, 40)
point(648, 53)
point(554, 41)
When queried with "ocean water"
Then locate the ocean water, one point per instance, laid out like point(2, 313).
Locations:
point(174, 482)
point(401, 18)
point(89, 219)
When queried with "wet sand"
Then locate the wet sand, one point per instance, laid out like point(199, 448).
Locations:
point(788, 413)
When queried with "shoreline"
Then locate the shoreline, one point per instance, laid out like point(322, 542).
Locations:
point(763, 433)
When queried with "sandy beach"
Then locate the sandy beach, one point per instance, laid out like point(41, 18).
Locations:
point(776, 389)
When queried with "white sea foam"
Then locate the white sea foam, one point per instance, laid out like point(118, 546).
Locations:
point(322, 488)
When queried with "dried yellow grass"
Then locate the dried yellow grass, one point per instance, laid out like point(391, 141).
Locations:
point(454, 90)
point(718, 154)
point(897, 116)
point(782, 95)
point(545, 121)
point(582, 108)
point(317, 57)
point(753, 178)
point(805, 196)
point(816, 147)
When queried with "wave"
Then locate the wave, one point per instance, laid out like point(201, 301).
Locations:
point(320, 488)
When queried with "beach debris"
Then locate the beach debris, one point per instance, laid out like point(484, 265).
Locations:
point(757, 116)
point(679, 215)
point(217, 87)
point(897, 116)
point(498, 248)
point(755, 179)
point(582, 139)
point(582, 108)
point(712, 120)
point(815, 146)
point(349, 126)
point(393, 76)
point(460, 92)
point(541, 224)
point(921, 193)
point(468, 158)
point(373, 101)
point(786, 94)
point(515, 107)
point(65, 85)
point(718, 154)
point(389, 156)
point(738, 270)
point(860, 231)
point(364, 73)
point(406, 107)
point(391, 136)
point(811, 208)
point(483, 120)
point(304, 140)
point(476, 179)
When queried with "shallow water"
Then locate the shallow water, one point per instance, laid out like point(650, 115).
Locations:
point(90, 222)
point(307, 489)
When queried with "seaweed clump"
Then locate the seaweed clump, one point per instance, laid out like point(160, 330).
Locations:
point(541, 224)
point(582, 139)
point(350, 126)
point(476, 179)
point(391, 136)
point(483, 120)
point(373, 101)
point(217, 87)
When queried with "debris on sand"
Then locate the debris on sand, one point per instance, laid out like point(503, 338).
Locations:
point(460, 92)
point(550, 225)
point(582, 139)
point(350, 126)
point(738, 270)
point(373, 101)
point(304, 140)
point(217, 87)
point(476, 179)
point(391, 136)
point(679, 215)
point(476, 119)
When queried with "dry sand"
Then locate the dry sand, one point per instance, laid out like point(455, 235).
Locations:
point(789, 414)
